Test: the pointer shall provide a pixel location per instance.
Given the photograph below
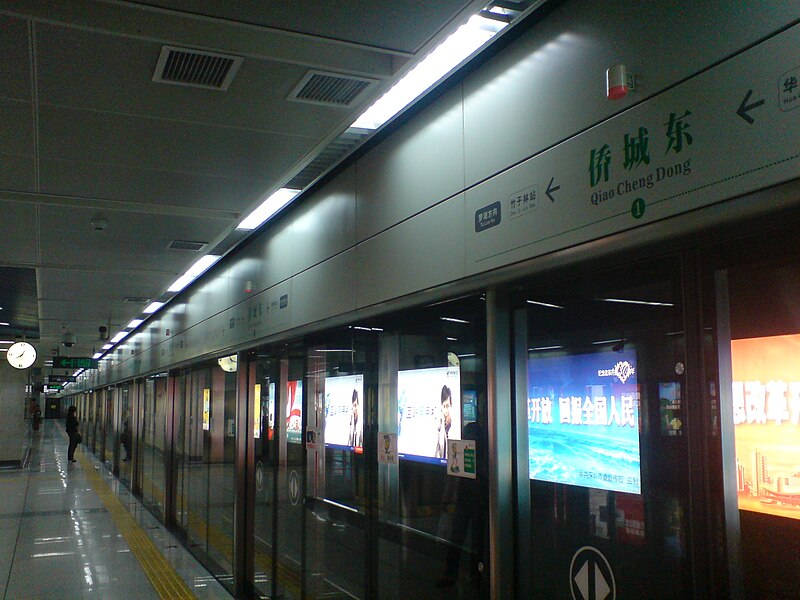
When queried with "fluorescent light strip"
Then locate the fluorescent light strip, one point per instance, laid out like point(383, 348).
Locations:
point(152, 307)
point(601, 342)
point(465, 355)
point(97, 355)
point(108, 347)
point(451, 339)
point(639, 302)
point(540, 348)
point(543, 304)
point(3, 349)
point(453, 320)
point(119, 337)
point(135, 323)
point(193, 273)
point(443, 59)
point(5, 324)
point(268, 208)
point(6, 341)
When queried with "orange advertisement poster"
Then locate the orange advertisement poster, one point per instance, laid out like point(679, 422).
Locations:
point(766, 414)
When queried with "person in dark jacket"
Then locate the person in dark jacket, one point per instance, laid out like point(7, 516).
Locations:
point(72, 432)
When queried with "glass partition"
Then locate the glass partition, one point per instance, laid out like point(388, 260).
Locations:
point(152, 439)
point(205, 428)
point(604, 404)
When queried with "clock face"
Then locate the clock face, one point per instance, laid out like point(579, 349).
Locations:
point(21, 355)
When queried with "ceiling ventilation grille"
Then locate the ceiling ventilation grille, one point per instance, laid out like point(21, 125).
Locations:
point(136, 299)
point(186, 245)
point(326, 159)
point(196, 68)
point(330, 89)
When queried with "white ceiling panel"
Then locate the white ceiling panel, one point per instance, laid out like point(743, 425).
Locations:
point(157, 191)
point(17, 173)
point(17, 231)
point(402, 25)
point(15, 57)
point(256, 99)
point(113, 140)
point(16, 135)
point(130, 241)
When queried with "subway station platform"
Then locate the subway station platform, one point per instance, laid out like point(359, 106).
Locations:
point(71, 530)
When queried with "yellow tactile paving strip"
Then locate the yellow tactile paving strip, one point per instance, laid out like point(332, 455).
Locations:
point(165, 580)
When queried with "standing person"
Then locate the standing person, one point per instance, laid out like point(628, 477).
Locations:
point(36, 414)
point(72, 432)
point(356, 429)
point(125, 438)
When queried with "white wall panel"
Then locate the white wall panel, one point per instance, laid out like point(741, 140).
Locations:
point(422, 252)
point(325, 224)
point(550, 83)
point(419, 165)
point(325, 290)
point(275, 254)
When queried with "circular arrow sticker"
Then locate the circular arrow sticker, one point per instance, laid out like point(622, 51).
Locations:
point(590, 576)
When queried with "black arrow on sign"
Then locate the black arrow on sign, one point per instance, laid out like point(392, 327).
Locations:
point(744, 107)
point(550, 189)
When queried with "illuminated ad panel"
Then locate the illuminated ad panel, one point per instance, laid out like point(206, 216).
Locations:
point(344, 411)
point(257, 411)
point(766, 416)
point(271, 412)
point(206, 409)
point(294, 412)
point(583, 421)
point(428, 413)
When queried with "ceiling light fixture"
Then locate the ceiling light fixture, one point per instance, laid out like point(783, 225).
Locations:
point(450, 53)
point(543, 304)
point(4, 324)
point(108, 347)
point(135, 323)
point(268, 208)
point(639, 302)
point(119, 337)
point(152, 307)
point(97, 355)
point(193, 273)
point(453, 320)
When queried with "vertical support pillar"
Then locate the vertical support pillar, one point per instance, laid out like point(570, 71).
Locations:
point(244, 461)
point(499, 408)
point(170, 471)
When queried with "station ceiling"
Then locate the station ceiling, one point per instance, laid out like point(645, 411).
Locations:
point(103, 168)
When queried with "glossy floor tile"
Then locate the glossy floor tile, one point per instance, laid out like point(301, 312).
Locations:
point(61, 540)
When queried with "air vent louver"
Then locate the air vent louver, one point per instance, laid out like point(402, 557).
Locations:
point(186, 245)
point(330, 89)
point(196, 68)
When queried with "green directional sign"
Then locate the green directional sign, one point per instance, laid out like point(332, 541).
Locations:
point(74, 362)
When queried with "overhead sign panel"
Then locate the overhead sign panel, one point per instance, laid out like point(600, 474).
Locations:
point(728, 131)
point(74, 362)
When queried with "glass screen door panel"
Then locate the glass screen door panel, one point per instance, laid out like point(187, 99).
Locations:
point(289, 558)
point(263, 380)
point(604, 413)
point(762, 388)
point(340, 386)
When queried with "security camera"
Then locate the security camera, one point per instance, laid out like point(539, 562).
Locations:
point(69, 339)
point(103, 330)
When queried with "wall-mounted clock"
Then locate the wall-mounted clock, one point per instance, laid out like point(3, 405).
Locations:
point(21, 355)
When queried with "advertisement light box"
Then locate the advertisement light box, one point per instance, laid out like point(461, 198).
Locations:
point(294, 412)
point(766, 416)
point(428, 413)
point(583, 421)
point(344, 412)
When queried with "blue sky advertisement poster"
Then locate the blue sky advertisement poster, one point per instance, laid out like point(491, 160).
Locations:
point(583, 421)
